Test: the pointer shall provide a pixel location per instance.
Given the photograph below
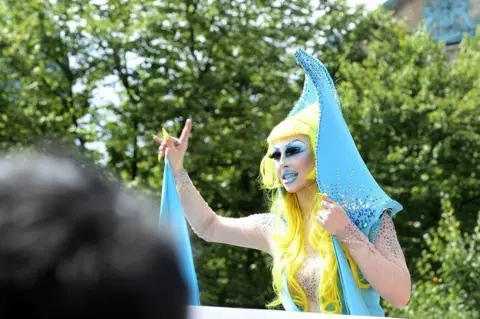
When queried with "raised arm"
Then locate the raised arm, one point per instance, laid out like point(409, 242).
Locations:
point(383, 263)
point(253, 231)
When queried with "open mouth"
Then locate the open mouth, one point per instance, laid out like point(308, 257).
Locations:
point(289, 177)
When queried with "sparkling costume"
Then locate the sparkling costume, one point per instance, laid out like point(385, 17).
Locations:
point(370, 236)
point(379, 262)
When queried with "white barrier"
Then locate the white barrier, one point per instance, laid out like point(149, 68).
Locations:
point(203, 312)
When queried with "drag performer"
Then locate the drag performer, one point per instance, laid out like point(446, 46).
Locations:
point(330, 228)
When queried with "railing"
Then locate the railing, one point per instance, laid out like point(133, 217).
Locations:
point(203, 312)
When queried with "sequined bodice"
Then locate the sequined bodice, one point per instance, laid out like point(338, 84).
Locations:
point(308, 276)
point(382, 263)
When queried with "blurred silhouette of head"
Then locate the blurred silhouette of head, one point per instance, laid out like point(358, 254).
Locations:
point(73, 245)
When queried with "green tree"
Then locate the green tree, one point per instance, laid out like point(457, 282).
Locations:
point(413, 110)
point(38, 77)
point(449, 273)
point(229, 65)
point(414, 115)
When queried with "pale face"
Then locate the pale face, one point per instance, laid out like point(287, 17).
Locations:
point(294, 161)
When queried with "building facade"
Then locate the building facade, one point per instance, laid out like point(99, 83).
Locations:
point(446, 20)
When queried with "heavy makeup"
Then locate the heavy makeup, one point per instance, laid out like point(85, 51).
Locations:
point(294, 162)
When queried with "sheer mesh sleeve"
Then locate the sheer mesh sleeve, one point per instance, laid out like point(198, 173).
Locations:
point(383, 263)
point(253, 231)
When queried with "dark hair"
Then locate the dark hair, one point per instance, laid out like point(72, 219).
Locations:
point(73, 245)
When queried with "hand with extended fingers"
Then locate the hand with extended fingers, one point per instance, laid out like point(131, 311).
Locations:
point(333, 217)
point(174, 149)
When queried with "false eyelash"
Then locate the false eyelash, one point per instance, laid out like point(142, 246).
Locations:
point(274, 155)
point(293, 150)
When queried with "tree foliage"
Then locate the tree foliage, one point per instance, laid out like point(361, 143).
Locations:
point(449, 271)
point(414, 114)
point(104, 75)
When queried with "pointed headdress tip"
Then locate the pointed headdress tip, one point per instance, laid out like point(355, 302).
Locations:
point(314, 71)
point(305, 59)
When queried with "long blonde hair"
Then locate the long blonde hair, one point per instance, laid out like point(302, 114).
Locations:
point(289, 236)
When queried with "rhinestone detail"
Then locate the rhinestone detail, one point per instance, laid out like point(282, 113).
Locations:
point(308, 276)
point(182, 180)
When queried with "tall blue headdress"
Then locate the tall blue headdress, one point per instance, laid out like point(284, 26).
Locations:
point(343, 175)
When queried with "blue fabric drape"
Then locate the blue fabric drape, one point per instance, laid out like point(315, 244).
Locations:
point(171, 218)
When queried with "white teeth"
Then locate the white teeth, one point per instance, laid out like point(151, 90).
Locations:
point(288, 176)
